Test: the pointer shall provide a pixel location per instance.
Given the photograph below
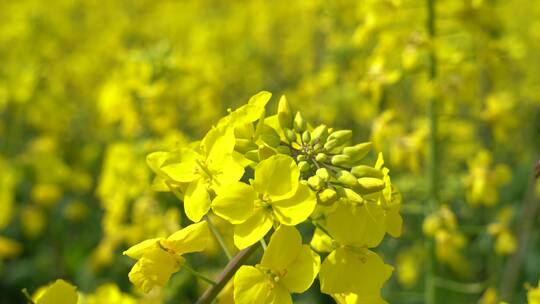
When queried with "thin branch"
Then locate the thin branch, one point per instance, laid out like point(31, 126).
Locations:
point(473, 288)
point(218, 237)
point(212, 292)
point(513, 266)
point(432, 157)
point(198, 274)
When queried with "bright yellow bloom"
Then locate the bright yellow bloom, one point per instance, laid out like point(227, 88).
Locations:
point(367, 220)
point(157, 259)
point(286, 267)
point(389, 199)
point(351, 272)
point(358, 271)
point(247, 113)
point(274, 195)
point(205, 171)
point(59, 292)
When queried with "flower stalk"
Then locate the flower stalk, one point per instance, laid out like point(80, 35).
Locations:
point(228, 272)
point(432, 157)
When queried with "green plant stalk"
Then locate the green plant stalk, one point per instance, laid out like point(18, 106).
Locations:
point(430, 282)
point(263, 244)
point(198, 274)
point(514, 263)
point(218, 237)
point(212, 292)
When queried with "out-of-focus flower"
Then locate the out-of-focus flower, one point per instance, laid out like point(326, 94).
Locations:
point(505, 241)
point(483, 180)
point(59, 292)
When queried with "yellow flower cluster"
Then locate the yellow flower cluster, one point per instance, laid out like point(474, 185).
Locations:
point(298, 173)
point(449, 241)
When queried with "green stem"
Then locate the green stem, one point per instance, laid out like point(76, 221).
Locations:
point(218, 237)
point(514, 264)
point(212, 292)
point(198, 274)
point(263, 244)
point(27, 296)
point(430, 284)
point(473, 288)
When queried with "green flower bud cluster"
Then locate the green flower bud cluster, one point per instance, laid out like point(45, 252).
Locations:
point(327, 160)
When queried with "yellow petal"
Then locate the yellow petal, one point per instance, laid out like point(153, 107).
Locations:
point(252, 230)
point(196, 200)
point(59, 292)
point(193, 238)
point(155, 160)
point(217, 144)
point(394, 222)
point(296, 209)
point(277, 176)
point(154, 269)
point(302, 271)
point(235, 203)
point(182, 168)
point(276, 257)
point(251, 286)
point(345, 271)
point(137, 251)
point(229, 171)
point(247, 113)
point(352, 298)
point(367, 220)
point(280, 295)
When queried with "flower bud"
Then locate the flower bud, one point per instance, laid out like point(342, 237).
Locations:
point(290, 135)
point(346, 178)
point(306, 137)
point(331, 144)
point(323, 174)
point(319, 134)
point(327, 196)
point(366, 171)
point(341, 136)
point(301, 157)
point(283, 150)
point(341, 160)
point(299, 123)
point(304, 166)
point(317, 147)
point(350, 195)
point(357, 152)
point(367, 185)
point(315, 183)
point(321, 157)
point(244, 145)
point(284, 113)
